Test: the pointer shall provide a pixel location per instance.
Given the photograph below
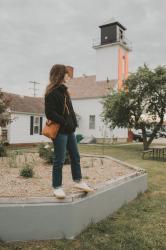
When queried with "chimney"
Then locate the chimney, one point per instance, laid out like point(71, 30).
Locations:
point(70, 70)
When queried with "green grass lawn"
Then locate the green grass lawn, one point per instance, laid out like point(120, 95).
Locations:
point(139, 225)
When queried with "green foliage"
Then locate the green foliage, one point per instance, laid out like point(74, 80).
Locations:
point(14, 160)
point(129, 228)
point(115, 110)
point(27, 170)
point(141, 104)
point(5, 118)
point(86, 177)
point(4, 112)
point(79, 137)
point(46, 151)
point(3, 150)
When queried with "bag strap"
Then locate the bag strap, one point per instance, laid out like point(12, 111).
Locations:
point(48, 122)
point(65, 105)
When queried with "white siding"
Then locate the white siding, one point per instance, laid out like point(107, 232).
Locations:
point(87, 107)
point(107, 62)
point(19, 130)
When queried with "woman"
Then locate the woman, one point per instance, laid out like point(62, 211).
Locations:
point(65, 139)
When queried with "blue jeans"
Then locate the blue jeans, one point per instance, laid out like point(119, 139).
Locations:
point(62, 143)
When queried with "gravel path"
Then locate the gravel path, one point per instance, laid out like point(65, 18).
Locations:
point(94, 172)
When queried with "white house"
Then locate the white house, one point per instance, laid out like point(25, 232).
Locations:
point(27, 114)
point(112, 54)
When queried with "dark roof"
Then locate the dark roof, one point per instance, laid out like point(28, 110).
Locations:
point(112, 21)
point(27, 104)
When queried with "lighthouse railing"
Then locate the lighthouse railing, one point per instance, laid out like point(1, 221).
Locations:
point(124, 41)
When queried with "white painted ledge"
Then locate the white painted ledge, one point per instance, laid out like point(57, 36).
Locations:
point(44, 218)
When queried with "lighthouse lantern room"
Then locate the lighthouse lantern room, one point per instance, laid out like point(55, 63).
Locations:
point(112, 32)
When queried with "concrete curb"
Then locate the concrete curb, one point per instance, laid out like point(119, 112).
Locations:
point(44, 218)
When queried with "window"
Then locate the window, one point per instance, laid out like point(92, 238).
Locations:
point(36, 125)
point(120, 34)
point(92, 121)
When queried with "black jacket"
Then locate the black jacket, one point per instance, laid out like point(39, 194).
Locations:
point(54, 105)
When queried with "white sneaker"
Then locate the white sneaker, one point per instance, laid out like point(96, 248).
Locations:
point(59, 192)
point(83, 186)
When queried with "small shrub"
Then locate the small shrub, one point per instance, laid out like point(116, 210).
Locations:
point(12, 162)
point(86, 177)
point(41, 149)
point(3, 150)
point(46, 152)
point(49, 155)
point(86, 166)
point(27, 171)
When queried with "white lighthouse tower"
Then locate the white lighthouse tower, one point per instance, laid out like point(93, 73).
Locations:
point(112, 49)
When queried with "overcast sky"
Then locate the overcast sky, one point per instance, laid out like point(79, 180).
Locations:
point(35, 34)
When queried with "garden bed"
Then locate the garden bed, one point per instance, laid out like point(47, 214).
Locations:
point(95, 170)
point(30, 201)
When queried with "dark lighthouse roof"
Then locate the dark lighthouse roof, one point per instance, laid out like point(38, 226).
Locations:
point(111, 22)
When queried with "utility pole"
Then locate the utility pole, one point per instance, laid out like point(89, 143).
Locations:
point(34, 86)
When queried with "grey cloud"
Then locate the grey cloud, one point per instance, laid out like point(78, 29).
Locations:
point(37, 34)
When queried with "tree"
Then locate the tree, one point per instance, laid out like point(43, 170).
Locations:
point(141, 104)
point(4, 110)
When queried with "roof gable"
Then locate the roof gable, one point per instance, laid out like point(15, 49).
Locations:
point(79, 88)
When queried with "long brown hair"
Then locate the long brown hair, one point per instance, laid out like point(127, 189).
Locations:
point(56, 77)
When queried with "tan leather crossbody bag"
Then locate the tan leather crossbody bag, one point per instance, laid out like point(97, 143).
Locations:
point(51, 128)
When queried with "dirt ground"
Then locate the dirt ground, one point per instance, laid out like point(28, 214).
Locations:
point(94, 171)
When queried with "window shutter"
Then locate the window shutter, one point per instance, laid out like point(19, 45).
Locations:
point(31, 124)
point(41, 124)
